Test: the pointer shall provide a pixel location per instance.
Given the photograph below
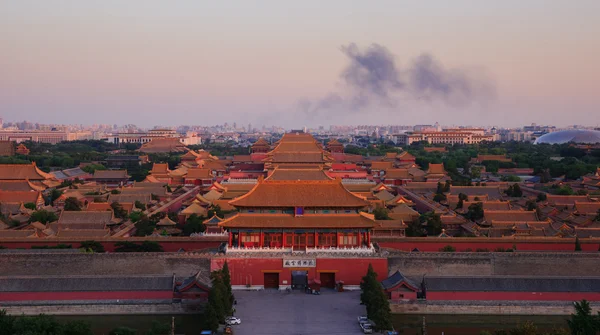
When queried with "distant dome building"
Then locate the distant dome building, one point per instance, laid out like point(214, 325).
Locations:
point(572, 135)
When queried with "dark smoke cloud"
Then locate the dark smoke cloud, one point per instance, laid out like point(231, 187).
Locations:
point(373, 77)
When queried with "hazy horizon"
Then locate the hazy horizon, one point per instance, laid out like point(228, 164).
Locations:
point(300, 64)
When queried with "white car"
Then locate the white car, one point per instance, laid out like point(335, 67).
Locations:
point(232, 320)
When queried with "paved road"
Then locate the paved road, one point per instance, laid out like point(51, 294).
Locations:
point(273, 312)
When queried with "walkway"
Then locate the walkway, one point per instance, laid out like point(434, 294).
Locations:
point(272, 312)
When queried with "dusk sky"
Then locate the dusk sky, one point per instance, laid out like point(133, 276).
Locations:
point(148, 62)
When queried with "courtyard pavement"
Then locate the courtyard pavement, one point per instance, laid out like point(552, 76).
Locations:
point(271, 312)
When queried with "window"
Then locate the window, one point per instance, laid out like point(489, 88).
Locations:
point(347, 239)
point(326, 239)
point(250, 238)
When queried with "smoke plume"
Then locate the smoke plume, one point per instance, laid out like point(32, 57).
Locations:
point(373, 78)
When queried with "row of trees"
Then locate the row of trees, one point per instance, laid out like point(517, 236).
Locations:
point(583, 322)
point(47, 324)
point(375, 301)
point(220, 299)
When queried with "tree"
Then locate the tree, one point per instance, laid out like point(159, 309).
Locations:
point(115, 191)
point(597, 218)
point(448, 248)
point(583, 322)
point(216, 296)
point(475, 211)
point(92, 246)
point(215, 210)
point(120, 212)
point(123, 331)
point(475, 172)
point(29, 205)
point(447, 186)
point(144, 227)
point(415, 229)
point(140, 205)
point(194, 224)
point(151, 246)
point(77, 328)
point(541, 197)
point(226, 277)
point(439, 197)
point(514, 191)
point(43, 216)
point(381, 213)
point(210, 318)
point(159, 328)
point(434, 224)
point(440, 188)
point(375, 300)
point(72, 204)
point(577, 244)
point(54, 194)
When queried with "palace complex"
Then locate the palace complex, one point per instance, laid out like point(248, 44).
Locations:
point(297, 213)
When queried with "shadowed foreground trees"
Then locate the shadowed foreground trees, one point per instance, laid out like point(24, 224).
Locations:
point(375, 300)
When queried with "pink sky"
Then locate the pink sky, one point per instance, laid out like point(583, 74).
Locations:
point(202, 62)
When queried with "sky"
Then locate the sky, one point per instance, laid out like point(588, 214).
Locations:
point(300, 63)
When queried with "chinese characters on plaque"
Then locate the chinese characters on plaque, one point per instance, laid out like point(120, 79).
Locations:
point(294, 263)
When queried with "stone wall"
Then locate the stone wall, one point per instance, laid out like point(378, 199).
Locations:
point(48, 263)
point(417, 264)
point(480, 307)
point(98, 309)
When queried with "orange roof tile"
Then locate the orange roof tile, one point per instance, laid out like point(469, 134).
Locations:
point(299, 194)
point(587, 208)
point(98, 206)
point(169, 144)
point(508, 215)
point(22, 172)
point(224, 204)
point(397, 174)
point(160, 168)
point(198, 173)
point(436, 169)
point(246, 220)
point(566, 199)
point(490, 205)
point(380, 165)
point(298, 174)
point(20, 196)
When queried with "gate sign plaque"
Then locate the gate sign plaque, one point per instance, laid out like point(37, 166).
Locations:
point(299, 263)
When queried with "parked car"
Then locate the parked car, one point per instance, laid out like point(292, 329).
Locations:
point(366, 328)
point(362, 319)
point(232, 320)
point(206, 332)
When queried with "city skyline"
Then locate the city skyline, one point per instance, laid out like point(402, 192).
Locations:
point(271, 63)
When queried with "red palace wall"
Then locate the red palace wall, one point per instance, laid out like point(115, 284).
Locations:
point(168, 245)
point(250, 271)
point(462, 244)
point(108, 295)
point(498, 296)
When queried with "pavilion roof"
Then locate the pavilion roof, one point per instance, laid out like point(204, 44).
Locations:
point(509, 215)
point(587, 208)
point(169, 144)
point(22, 172)
point(397, 174)
point(212, 195)
point(98, 206)
point(566, 199)
point(382, 165)
point(110, 174)
point(194, 208)
point(328, 193)
point(261, 142)
point(166, 221)
point(198, 173)
point(20, 185)
point(436, 169)
point(247, 220)
point(298, 174)
point(19, 196)
point(160, 169)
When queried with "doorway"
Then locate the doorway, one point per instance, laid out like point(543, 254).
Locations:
point(299, 279)
point(327, 279)
point(271, 280)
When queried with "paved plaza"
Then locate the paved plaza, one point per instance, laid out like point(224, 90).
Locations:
point(271, 312)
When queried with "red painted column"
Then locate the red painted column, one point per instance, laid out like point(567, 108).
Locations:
point(337, 238)
point(359, 237)
point(316, 239)
point(240, 239)
point(262, 238)
point(230, 238)
point(283, 241)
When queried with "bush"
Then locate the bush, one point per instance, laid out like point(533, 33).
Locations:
point(482, 250)
point(58, 246)
point(92, 246)
point(448, 248)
